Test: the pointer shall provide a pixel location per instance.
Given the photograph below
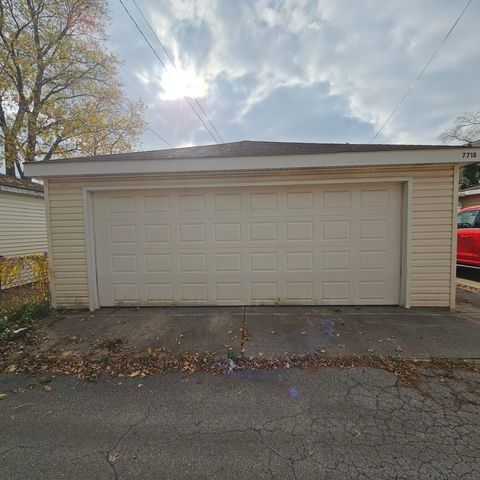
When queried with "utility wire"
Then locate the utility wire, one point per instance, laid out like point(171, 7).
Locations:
point(160, 137)
point(154, 34)
point(174, 66)
point(419, 76)
point(159, 59)
point(143, 35)
point(165, 67)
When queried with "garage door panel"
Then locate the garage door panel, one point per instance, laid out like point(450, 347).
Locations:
point(310, 245)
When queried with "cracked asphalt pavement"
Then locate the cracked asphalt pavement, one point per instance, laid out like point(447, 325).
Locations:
point(287, 424)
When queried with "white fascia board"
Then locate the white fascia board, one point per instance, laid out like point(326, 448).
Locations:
point(469, 192)
point(226, 164)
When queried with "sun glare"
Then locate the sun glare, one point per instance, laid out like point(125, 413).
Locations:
point(179, 83)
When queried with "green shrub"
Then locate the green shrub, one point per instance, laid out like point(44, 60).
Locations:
point(6, 328)
point(34, 311)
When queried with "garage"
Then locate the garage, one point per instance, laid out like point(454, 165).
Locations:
point(254, 223)
point(337, 244)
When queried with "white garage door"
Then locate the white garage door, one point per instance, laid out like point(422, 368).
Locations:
point(229, 246)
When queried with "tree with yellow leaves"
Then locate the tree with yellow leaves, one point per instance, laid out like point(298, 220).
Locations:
point(59, 92)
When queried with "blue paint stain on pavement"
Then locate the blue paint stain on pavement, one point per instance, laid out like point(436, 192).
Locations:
point(328, 330)
point(293, 392)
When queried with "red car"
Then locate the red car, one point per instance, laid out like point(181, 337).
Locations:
point(468, 237)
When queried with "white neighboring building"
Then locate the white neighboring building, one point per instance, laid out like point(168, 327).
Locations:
point(22, 217)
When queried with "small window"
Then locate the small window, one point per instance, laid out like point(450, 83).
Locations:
point(467, 219)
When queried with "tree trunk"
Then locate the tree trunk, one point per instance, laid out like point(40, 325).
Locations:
point(10, 171)
point(11, 155)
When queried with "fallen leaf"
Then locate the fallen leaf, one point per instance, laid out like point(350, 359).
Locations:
point(303, 333)
point(398, 349)
point(136, 373)
point(113, 457)
point(3, 396)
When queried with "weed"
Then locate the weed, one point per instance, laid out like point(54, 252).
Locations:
point(112, 344)
point(101, 357)
point(233, 356)
point(146, 354)
point(34, 311)
point(21, 316)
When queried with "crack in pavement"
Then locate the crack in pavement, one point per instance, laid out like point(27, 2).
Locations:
point(109, 454)
point(344, 424)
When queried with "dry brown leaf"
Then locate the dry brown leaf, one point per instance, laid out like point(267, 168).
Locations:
point(113, 457)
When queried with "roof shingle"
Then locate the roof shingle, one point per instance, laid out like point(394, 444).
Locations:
point(9, 181)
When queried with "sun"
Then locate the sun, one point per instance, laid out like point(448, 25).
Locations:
point(180, 82)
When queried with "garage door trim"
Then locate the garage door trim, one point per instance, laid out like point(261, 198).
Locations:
point(406, 182)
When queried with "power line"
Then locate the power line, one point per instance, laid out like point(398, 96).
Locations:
point(419, 76)
point(165, 67)
point(142, 34)
point(159, 59)
point(160, 137)
point(174, 66)
point(154, 34)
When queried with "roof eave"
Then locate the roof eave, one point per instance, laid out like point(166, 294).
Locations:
point(249, 163)
point(22, 191)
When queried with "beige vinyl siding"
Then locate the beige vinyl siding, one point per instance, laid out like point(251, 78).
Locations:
point(470, 201)
point(22, 224)
point(432, 204)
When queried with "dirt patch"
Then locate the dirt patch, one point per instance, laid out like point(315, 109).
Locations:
point(14, 299)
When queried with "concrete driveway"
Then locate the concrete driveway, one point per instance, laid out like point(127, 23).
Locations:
point(271, 331)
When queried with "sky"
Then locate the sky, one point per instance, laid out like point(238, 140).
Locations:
point(299, 70)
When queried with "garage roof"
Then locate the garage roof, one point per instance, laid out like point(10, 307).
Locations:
point(247, 148)
point(255, 155)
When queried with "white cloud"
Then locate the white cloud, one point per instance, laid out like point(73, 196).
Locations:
point(362, 55)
